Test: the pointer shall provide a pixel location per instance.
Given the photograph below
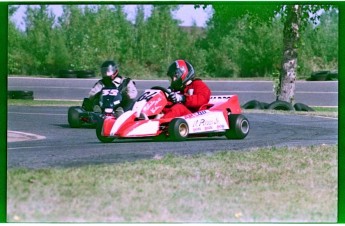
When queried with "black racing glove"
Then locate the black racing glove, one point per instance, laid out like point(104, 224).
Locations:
point(177, 98)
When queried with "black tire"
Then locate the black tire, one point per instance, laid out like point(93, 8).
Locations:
point(253, 104)
point(67, 74)
point(85, 74)
point(280, 105)
point(332, 76)
point(238, 127)
point(160, 137)
point(319, 76)
point(87, 104)
point(99, 128)
point(302, 107)
point(20, 94)
point(178, 129)
point(264, 105)
point(73, 117)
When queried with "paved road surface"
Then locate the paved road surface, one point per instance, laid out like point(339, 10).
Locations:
point(67, 147)
point(307, 92)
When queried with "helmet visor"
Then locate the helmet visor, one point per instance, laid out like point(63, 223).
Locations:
point(176, 84)
point(108, 71)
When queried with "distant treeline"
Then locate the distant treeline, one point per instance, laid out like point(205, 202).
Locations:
point(83, 37)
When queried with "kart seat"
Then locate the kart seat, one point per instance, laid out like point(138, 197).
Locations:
point(215, 100)
point(205, 106)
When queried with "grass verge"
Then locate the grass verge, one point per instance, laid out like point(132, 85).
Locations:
point(322, 112)
point(261, 185)
point(18, 102)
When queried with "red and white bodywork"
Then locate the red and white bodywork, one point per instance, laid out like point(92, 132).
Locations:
point(142, 121)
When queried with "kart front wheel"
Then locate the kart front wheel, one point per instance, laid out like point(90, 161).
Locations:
point(73, 117)
point(239, 127)
point(178, 129)
point(99, 128)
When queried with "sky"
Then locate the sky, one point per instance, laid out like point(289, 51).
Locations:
point(187, 14)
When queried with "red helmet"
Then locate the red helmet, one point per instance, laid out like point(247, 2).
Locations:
point(180, 73)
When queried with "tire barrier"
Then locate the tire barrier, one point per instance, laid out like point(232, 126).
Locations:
point(67, 74)
point(302, 107)
point(264, 105)
point(280, 105)
point(86, 74)
point(253, 104)
point(276, 105)
point(76, 74)
point(20, 94)
point(332, 75)
point(324, 76)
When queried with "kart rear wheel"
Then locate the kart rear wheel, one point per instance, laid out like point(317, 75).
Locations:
point(239, 127)
point(99, 128)
point(73, 117)
point(178, 129)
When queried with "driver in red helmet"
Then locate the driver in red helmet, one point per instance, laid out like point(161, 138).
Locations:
point(188, 93)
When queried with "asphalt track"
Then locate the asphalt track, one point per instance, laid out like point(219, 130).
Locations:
point(310, 93)
point(57, 145)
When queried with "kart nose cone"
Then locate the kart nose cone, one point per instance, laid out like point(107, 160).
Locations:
point(108, 110)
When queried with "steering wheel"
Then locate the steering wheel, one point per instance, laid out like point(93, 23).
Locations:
point(165, 90)
point(162, 89)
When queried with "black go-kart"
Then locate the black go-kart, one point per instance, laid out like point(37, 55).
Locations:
point(108, 101)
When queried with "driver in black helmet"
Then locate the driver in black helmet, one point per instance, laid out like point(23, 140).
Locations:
point(111, 78)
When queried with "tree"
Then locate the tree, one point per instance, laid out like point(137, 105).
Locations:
point(163, 45)
point(242, 49)
point(320, 44)
point(15, 50)
point(294, 17)
point(40, 38)
point(291, 35)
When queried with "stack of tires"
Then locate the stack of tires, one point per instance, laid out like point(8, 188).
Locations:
point(20, 94)
point(76, 74)
point(276, 105)
point(324, 76)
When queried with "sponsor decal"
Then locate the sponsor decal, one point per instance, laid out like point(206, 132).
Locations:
point(147, 95)
point(195, 114)
point(110, 92)
point(196, 129)
point(208, 122)
point(205, 122)
point(153, 106)
point(220, 127)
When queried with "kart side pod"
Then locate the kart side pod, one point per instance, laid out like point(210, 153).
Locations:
point(127, 126)
point(225, 101)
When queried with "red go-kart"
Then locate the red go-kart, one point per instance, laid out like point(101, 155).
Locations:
point(221, 116)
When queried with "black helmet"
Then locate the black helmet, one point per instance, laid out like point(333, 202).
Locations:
point(109, 69)
point(180, 73)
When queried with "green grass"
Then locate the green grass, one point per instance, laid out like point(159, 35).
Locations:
point(18, 102)
point(319, 111)
point(261, 185)
point(326, 109)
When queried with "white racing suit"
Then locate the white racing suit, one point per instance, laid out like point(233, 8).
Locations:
point(129, 91)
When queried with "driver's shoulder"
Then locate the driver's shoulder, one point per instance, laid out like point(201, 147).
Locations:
point(197, 81)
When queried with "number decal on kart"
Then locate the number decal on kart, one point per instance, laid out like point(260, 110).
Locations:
point(110, 92)
point(147, 95)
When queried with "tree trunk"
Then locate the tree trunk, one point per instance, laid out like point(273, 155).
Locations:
point(288, 74)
